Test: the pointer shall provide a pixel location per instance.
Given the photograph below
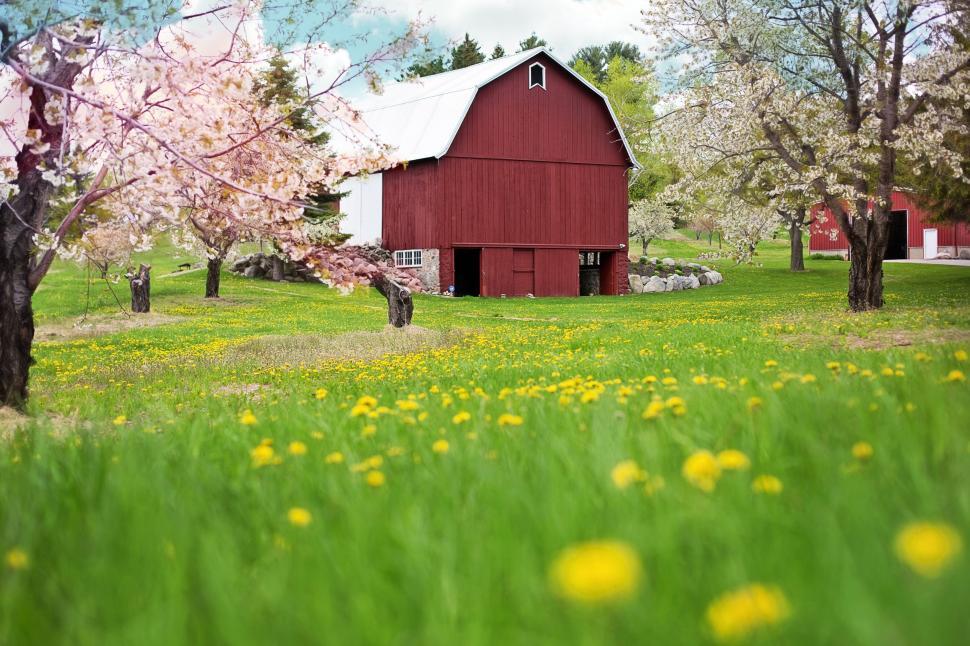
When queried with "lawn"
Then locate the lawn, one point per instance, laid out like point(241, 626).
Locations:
point(274, 468)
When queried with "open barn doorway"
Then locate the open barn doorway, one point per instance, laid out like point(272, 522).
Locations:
point(589, 273)
point(468, 272)
point(896, 245)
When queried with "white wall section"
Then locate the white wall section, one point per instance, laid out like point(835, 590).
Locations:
point(362, 208)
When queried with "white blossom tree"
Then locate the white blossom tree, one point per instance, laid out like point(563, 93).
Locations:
point(650, 219)
point(158, 127)
point(830, 93)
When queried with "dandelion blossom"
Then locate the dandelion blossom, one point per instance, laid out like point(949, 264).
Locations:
point(767, 484)
point(460, 417)
point(928, 548)
point(736, 614)
point(334, 458)
point(955, 376)
point(297, 448)
point(17, 559)
point(654, 409)
point(507, 419)
point(299, 516)
point(120, 420)
point(320, 393)
point(375, 479)
point(247, 418)
point(440, 446)
point(626, 473)
point(702, 470)
point(733, 460)
point(862, 451)
point(596, 572)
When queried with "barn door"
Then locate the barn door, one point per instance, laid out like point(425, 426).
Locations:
point(523, 272)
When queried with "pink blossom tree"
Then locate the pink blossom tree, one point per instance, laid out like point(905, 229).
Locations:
point(158, 129)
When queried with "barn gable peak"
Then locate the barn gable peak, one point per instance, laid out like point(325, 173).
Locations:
point(420, 118)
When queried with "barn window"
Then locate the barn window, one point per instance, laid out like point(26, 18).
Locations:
point(407, 258)
point(537, 76)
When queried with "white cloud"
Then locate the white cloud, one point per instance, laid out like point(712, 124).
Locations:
point(567, 25)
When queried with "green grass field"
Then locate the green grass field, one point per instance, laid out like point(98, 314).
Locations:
point(142, 504)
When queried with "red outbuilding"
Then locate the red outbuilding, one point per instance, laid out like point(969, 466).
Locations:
point(513, 181)
point(912, 233)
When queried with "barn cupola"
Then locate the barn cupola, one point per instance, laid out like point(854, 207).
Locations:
point(537, 76)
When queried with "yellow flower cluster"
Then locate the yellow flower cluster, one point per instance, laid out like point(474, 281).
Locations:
point(596, 572)
point(738, 613)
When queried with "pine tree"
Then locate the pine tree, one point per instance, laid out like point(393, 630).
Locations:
point(532, 42)
point(466, 53)
point(425, 66)
point(498, 52)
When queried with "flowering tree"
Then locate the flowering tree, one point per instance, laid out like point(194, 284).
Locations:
point(161, 130)
point(650, 219)
point(830, 93)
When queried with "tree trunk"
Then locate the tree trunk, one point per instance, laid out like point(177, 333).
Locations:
point(277, 268)
point(16, 310)
point(214, 267)
point(645, 242)
point(400, 307)
point(797, 262)
point(141, 290)
point(710, 238)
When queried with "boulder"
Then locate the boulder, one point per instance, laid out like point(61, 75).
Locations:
point(669, 262)
point(692, 282)
point(654, 284)
point(693, 265)
point(654, 261)
point(636, 284)
point(704, 279)
point(705, 268)
point(964, 254)
point(251, 271)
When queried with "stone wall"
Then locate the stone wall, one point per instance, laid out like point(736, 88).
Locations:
point(430, 270)
point(669, 275)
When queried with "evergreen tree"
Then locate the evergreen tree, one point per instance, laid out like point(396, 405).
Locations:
point(426, 65)
point(596, 58)
point(498, 52)
point(532, 42)
point(280, 85)
point(466, 53)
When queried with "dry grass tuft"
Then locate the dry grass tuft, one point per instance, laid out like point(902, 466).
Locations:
point(99, 325)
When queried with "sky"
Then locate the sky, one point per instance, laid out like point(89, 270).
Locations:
point(567, 25)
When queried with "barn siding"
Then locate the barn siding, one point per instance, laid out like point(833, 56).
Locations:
point(475, 202)
point(948, 235)
point(557, 272)
point(564, 123)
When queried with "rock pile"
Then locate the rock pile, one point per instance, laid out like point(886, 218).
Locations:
point(260, 265)
point(669, 275)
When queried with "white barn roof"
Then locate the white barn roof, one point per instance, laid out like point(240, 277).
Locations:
point(420, 118)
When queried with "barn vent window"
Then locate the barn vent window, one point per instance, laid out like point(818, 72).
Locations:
point(407, 258)
point(537, 76)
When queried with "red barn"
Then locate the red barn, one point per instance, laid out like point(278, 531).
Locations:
point(911, 232)
point(515, 181)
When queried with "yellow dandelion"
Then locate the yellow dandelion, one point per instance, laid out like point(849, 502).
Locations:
point(676, 405)
point(320, 393)
point(440, 446)
point(368, 430)
point(626, 473)
point(928, 548)
point(247, 418)
point(702, 470)
point(733, 460)
point(960, 355)
point(653, 485)
point(754, 403)
point(700, 380)
point(17, 559)
point(767, 484)
point(669, 381)
point(297, 448)
point(771, 363)
point(808, 379)
point(263, 455)
point(833, 365)
point(777, 385)
point(596, 572)
point(461, 417)
point(120, 420)
point(375, 479)
point(955, 375)
point(653, 410)
point(407, 404)
point(736, 614)
point(507, 419)
point(862, 450)
point(299, 516)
